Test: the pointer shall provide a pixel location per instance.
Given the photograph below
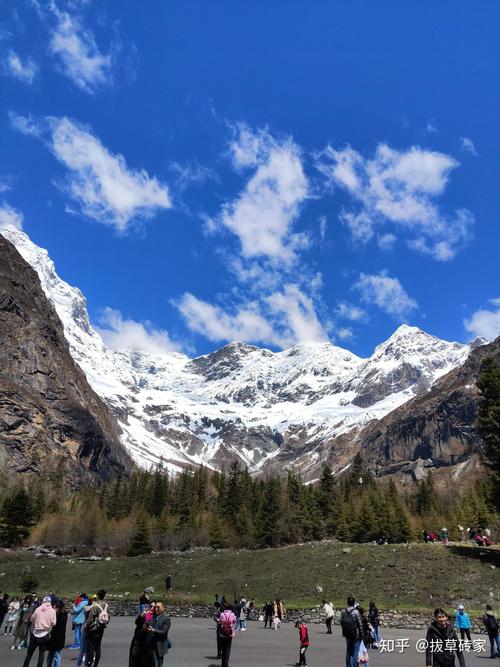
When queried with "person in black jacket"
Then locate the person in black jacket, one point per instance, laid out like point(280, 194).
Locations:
point(142, 647)
point(268, 614)
point(159, 629)
point(493, 629)
point(374, 620)
point(442, 643)
point(4, 606)
point(57, 636)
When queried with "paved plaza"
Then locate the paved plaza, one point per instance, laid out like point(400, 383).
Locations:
point(194, 646)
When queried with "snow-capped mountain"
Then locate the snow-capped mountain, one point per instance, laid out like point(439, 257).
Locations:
point(298, 407)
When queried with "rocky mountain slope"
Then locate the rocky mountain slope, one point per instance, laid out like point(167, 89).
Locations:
point(297, 408)
point(49, 415)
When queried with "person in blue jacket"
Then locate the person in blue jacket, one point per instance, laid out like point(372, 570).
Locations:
point(463, 623)
point(78, 612)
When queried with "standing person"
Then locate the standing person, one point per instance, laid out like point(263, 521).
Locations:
point(462, 533)
point(493, 629)
point(83, 636)
point(143, 602)
point(303, 642)
point(352, 631)
point(227, 624)
point(374, 619)
point(268, 614)
point(78, 612)
point(23, 623)
point(279, 609)
point(42, 622)
point(4, 606)
point(463, 623)
point(97, 622)
point(12, 616)
point(365, 628)
point(159, 629)
point(142, 649)
point(445, 536)
point(218, 612)
point(329, 614)
point(168, 583)
point(57, 636)
point(442, 643)
point(242, 622)
point(425, 536)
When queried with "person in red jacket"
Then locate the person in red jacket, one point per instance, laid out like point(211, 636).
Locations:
point(303, 642)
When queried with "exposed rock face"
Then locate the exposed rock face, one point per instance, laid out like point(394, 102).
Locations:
point(49, 415)
point(439, 426)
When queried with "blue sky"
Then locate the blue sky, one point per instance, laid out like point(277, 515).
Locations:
point(271, 172)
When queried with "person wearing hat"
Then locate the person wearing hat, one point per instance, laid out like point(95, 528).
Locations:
point(42, 622)
point(303, 642)
point(462, 622)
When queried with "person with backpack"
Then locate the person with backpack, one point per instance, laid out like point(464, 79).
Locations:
point(329, 614)
point(57, 636)
point(442, 643)
point(493, 629)
point(42, 622)
point(374, 620)
point(352, 631)
point(227, 624)
point(97, 622)
point(303, 642)
point(463, 623)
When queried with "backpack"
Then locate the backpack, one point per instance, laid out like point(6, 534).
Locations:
point(100, 621)
point(349, 625)
point(226, 627)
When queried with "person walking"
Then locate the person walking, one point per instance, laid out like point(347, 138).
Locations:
point(268, 614)
point(227, 624)
point(4, 607)
point(303, 642)
point(78, 612)
point(23, 623)
point(442, 643)
point(493, 629)
point(445, 536)
point(242, 619)
point(159, 629)
point(463, 623)
point(12, 616)
point(42, 622)
point(97, 621)
point(374, 620)
point(329, 614)
point(57, 639)
point(352, 631)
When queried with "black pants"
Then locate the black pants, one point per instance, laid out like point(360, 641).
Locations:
point(226, 650)
point(463, 632)
point(219, 644)
point(328, 622)
point(93, 648)
point(40, 643)
point(302, 655)
point(266, 619)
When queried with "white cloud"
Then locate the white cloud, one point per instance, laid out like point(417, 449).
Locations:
point(100, 182)
point(299, 314)
point(431, 128)
point(387, 293)
point(10, 217)
point(386, 241)
point(25, 124)
point(467, 145)
point(262, 216)
point(323, 225)
point(485, 322)
point(345, 333)
point(123, 334)
point(347, 311)
point(79, 56)
point(399, 188)
point(23, 70)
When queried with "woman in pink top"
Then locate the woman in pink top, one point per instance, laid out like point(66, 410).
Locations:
point(42, 622)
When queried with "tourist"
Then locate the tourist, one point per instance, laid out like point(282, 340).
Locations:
point(142, 647)
point(442, 643)
point(78, 612)
point(12, 616)
point(168, 583)
point(23, 623)
point(329, 614)
point(462, 532)
point(425, 536)
point(493, 629)
point(97, 621)
point(445, 536)
point(268, 614)
point(4, 607)
point(42, 622)
point(159, 629)
point(57, 636)
point(143, 602)
point(218, 612)
point(351, 623)
point(366, 635)
point(374, 620)
point(227, 624)
point(463, 623)
point(279, 609)
point(303, 642)
point(242, 623)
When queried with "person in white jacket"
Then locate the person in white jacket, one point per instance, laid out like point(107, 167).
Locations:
point(329, 614)
point(12, 616)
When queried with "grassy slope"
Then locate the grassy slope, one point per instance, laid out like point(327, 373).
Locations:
point(396, 576)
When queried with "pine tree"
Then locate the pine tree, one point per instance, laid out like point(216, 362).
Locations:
point(489, 421)
point(216, 533)
point(141, 541)
point(269, 522)
point(16, 518)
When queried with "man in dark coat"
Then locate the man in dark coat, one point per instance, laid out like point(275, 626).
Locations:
point(442, 643)
point(4, 606)
point(57, 639)
point(159, 629)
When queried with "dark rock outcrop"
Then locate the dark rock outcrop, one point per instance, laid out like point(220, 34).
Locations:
point(50, 418)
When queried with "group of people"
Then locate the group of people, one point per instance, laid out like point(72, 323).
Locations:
point(40, 624)
point(273, 613)
point(481, 538)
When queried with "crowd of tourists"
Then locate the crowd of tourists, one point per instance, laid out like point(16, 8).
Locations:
point(481, 538)
point(39, 624)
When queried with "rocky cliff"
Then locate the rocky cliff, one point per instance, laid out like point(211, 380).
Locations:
point(49, 415)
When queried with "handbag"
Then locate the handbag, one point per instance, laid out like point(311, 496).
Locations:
point(363, 658)
point(261, 617)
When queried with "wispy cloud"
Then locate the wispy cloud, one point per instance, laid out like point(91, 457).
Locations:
point(101, 183)
point(485, 322)
point(119, 333)
point(10, 217)
point(347, 311)
point(23, 70)
point(387, 293)
point(399, 188)
point(468, 146)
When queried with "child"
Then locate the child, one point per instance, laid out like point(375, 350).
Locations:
point(303, 642)
point(276, 622)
